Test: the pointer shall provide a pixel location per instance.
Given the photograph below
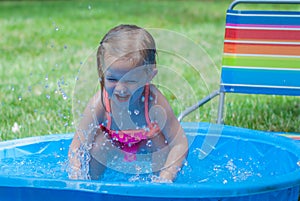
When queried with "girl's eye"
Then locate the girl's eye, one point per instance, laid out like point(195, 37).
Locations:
point(111, 79)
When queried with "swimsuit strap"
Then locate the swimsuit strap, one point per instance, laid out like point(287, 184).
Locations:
point(147, 92)
point(108, 108)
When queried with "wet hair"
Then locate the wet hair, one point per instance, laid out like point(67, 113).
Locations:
point(125, 43)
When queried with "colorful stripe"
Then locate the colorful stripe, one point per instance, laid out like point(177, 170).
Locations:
point(261, 52)
point(270, 49)
point(261, 77)
point(260, 90)
point(262, 35)
point(264, 17)
point(264, 26)
point(262, 61)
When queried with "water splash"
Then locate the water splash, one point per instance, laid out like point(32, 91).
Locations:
point(82, 156)
point(149, 143)
point(136, 112)
point(64, 95)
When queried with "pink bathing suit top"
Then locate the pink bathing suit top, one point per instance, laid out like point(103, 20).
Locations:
point(128, 140)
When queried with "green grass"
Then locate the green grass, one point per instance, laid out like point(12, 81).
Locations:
point(44, 44)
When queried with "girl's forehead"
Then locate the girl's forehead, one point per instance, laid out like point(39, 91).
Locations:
point(123, 67)
point(120, 66)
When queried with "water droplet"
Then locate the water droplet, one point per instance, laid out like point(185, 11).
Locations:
point(15, 128)
point(46, 78)
point(56, 28)
point(129, 112)
point(166, 141)
point(136, 112)
point(149, 143)
point(65, 97)
point(217, 168)
point(20, 98)
point(225, 181)
point(12, 88)
point(89, 7)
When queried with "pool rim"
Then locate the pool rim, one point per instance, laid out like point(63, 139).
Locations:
point(175, 190)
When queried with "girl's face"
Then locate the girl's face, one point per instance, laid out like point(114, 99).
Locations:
point(125, 83)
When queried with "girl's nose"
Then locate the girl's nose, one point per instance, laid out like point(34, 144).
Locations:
point(121, 88)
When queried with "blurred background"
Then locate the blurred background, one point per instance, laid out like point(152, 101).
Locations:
point(43, 45)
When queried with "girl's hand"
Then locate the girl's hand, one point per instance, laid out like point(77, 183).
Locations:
point(156, 179)
point(167, 175)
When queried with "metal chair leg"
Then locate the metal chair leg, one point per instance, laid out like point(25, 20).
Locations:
point(221, 108)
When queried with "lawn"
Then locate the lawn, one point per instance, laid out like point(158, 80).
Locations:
point(45, 45)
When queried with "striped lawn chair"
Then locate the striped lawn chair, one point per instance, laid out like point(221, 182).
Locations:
point(261, 54)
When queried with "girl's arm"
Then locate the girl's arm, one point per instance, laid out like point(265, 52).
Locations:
point(178, 147)
point(176, 139)
point(83, 137)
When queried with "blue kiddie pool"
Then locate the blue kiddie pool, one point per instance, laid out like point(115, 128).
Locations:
point(243, 165)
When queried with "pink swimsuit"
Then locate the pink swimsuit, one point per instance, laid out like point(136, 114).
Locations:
point(129, 140)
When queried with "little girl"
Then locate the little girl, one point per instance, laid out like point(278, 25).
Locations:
point(128, 118)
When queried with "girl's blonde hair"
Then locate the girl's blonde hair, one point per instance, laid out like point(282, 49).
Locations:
point(128, 43)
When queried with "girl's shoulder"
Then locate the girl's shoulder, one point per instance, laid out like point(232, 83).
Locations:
point(158, 96)
point(154, 91)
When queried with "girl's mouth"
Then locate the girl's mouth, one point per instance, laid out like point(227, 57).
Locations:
point(122, 98)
